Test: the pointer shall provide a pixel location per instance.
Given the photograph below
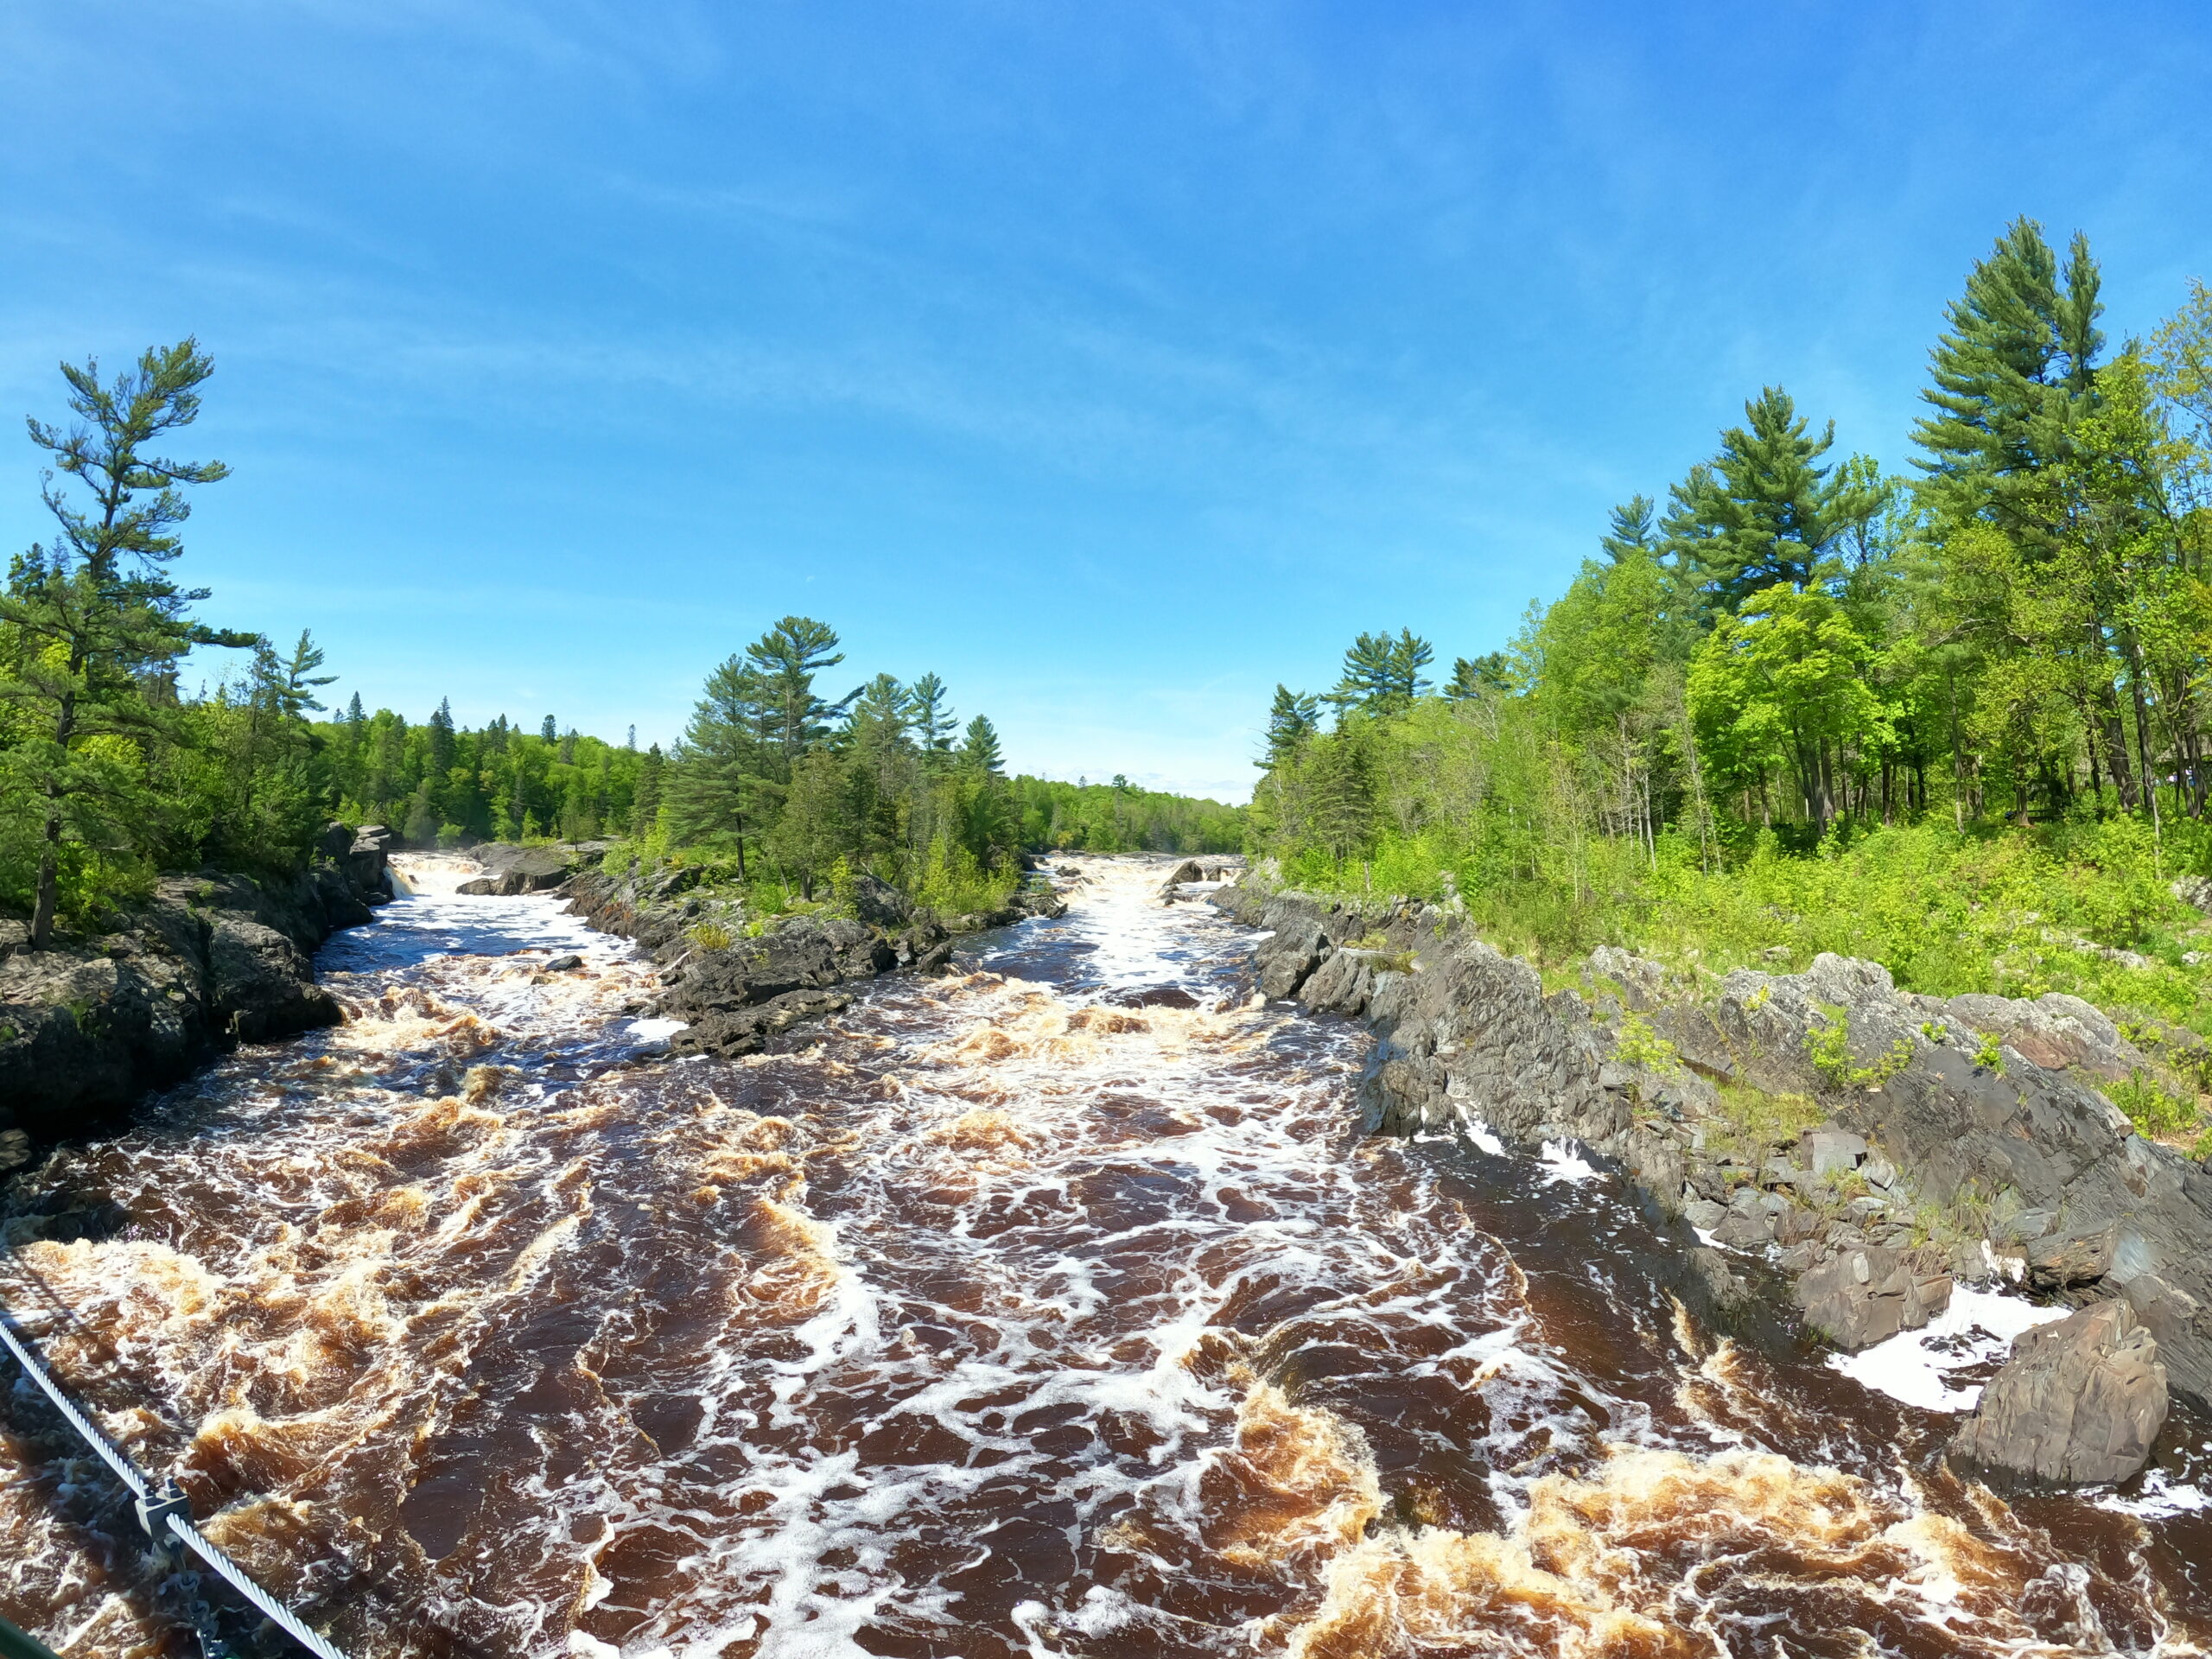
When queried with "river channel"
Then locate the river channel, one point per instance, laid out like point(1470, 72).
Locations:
point(1051, 1309)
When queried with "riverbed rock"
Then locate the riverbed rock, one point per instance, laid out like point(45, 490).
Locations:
point(509, 870)
point(731, 1032)
point(805, 953)
point(717, 972)
point(2182, 1325)
point(1856, 1298)
point(89, 1026)
point(2078, 1404)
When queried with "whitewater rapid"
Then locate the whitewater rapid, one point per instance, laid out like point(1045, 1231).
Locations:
point(1053, 1308)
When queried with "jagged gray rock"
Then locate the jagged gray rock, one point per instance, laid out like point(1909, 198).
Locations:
point(2079, 1404)
point(89, 1026)
point(1859, 1297)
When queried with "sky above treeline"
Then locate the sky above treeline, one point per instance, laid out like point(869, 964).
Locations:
point(1114, 361)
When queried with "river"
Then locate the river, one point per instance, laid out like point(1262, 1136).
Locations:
point(1049, 1309)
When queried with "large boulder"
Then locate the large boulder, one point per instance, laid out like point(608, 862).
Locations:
point(2078, 1404)
point(805, 953)
point(2055, 1032)
point(1284, 960)
point(261, 982)
point(2181, 1324)
point(509, 870)
point(1856, 1298)
point(730, 1032)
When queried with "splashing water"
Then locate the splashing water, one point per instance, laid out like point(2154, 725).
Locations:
point(1052, 1309)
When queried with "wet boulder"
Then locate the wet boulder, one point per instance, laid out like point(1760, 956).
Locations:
point(509, 870)
point(261, 982)
point(731, 1032)
point(1286, 960)
point(1861, 1295)
point(805, 953)
point(1341, 984)
point(2079, 1404)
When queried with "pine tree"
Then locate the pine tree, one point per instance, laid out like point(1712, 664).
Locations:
point(932, 716)
point(981, 751)
point(1294, 718)
point(785, 659)
point(1764, 511)
point(1471, 677)
point(1383, 675)
point(549, 730)
point(1631, 530)
point(2013, 374)
point(721, 788)
point(98, 612)
point(645, 804)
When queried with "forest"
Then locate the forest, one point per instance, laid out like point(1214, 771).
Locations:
point(1954, 720)
point(112, 770)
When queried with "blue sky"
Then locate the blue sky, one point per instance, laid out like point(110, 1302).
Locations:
point(1114, 361)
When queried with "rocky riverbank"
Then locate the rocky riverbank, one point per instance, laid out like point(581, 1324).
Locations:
point(735, 986)
point(91, 1024)
point(1861, 1149)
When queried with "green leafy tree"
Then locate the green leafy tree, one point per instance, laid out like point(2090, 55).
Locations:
point(1786, 681)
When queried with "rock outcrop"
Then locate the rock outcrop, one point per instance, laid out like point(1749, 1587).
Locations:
point(735, 988)
point(1893, 1158)
point(510, 869)
point(88, 1027)
point(2078, 1404)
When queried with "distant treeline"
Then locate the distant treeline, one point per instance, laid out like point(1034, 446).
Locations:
point(1119, 818)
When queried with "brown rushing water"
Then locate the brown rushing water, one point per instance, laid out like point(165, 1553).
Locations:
point(1046, 1311)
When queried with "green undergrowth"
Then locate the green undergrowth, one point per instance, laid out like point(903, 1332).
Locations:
point(945, 882)
point(2014, 912)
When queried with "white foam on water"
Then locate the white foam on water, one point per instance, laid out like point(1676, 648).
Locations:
point(2159, 1500)
point(1481, 1134)
point(1914, 1366)
point(656, 1030)
point(1561, 1162)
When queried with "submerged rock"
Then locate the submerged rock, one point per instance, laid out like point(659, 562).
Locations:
point(2078, 1404)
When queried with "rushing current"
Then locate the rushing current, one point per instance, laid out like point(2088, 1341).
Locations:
point(1053, 1308)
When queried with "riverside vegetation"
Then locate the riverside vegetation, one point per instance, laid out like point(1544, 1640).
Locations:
point(1955, 724)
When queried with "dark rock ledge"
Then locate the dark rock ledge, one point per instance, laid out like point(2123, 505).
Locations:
point(90, 1026)
point(737, 989)
point(1870, 1147)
